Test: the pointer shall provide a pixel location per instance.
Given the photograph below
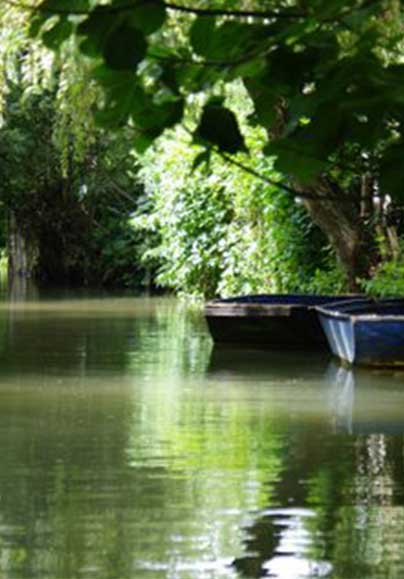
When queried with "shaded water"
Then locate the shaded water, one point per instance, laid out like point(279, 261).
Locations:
point(131, 449)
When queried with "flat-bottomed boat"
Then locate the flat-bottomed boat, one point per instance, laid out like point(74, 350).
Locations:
point(276, 321)
point(370, 334)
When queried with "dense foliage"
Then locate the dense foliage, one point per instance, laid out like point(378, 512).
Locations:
point(308, 67)
point(67, 187)
point(75, 214)
point(315, 64)
point(319, 138)
point(387, 280)
point(222, 231)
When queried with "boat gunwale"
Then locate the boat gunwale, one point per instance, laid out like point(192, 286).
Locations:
point(250, 309)
point(355, 318)
point(233, 307)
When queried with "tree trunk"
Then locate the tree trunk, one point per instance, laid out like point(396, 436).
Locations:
point(346, 229)
point(22, 251)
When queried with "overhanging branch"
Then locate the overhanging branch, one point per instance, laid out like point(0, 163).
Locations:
point(220, 63)
point(279, 184)
point(123, 7)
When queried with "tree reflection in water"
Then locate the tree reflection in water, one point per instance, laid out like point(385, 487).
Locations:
point(127, 452)
point(347, 518)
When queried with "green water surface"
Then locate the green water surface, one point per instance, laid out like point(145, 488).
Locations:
point(130, 448)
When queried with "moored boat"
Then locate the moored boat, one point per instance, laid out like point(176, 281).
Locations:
point(368, 333)
point(278, 320)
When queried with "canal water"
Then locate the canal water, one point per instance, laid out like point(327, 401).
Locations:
point(130, 448)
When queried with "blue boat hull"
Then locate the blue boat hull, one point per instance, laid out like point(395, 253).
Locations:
point(365, 338)
point(340, 336)
point(379, 343)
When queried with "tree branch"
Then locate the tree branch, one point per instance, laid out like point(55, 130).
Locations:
point(212, 12)
point(209, 62)
point(279, 184)
point(116, 9)
point(264, 178)
point(265, 14)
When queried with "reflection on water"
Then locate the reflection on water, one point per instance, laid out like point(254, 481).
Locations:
point(132, 450)
point(287, 546)
point(342, 395)
point(366, 402)
point(242, 364)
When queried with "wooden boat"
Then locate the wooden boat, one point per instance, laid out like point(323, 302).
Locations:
point(370, 333)
point(279, 321)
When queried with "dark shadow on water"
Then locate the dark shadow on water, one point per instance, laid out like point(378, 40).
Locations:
point(360, 400)
point(235, 363)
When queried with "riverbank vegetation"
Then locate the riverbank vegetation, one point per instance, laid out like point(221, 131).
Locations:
point(211, 148)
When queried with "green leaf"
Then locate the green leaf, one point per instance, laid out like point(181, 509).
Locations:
point(142, 142)
point(291, 160)
point(219, 126)
point(228, 41)
point(153, 118)
point(113, 79)
point(249, 69)
point(56, 35)
point(198, 78)
point(96, 28)
point(124, 48)
point(121, 90)
point(201, 34)
point(148, 16)
point(125, 98)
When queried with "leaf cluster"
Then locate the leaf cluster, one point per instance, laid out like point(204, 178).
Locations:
point(319, 74)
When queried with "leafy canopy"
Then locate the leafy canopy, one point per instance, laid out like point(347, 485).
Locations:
point(326, 76)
